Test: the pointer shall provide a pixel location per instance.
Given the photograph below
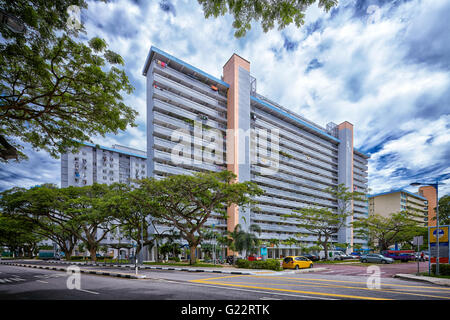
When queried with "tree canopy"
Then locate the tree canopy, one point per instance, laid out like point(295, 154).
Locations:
point(56, 88)
point(268, 13)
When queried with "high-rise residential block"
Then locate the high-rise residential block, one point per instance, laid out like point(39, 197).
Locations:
point(197, 122)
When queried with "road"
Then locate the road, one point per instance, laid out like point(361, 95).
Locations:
point(18, 283)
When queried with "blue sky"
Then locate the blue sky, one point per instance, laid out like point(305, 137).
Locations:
point(382, 65)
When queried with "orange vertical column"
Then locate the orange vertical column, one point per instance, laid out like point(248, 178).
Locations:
point(231, 76)
point(429, 192)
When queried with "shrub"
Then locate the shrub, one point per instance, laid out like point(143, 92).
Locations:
point(271, 264)
point(444, 269)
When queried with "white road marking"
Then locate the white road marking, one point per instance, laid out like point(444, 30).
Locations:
point(88, 291)
point(41, 281)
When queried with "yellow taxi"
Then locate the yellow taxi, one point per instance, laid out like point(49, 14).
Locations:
point(297, 262)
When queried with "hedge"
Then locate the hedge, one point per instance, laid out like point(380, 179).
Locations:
point(444, 269)
point(271, 264)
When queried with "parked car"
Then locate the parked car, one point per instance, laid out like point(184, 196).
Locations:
point(296, 262)
point(312, 257)
point(345, 256)
point(332, 255)
point(254, 258)
point(376, 258)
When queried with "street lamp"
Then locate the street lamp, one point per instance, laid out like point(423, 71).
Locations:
point(12, 23)
point(435, 185)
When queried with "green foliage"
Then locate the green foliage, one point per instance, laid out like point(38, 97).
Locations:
point(386, 231)
point(269, 13)
point(444, 269)
point(187, 201)
point(323, 221)
point(270, 264)
point(444, 210)
point(56, 89)
point(242, 240)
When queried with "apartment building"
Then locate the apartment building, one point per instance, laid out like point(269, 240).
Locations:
point(429, 192)
point(395, 201)
point(197, 122)
point(99, 164)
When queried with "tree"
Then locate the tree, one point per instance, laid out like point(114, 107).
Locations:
point(186, 202)
point(19, 235)
point(56, 89)
point(444, 210)
point(386, 231)
point(268, 12)
point(87, 207)
point(325, 222)
point(43, 207)
point(245, 241)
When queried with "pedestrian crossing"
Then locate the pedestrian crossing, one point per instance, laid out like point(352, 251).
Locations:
point(11, 279)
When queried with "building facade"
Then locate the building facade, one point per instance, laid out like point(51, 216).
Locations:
point(430, 194)
point(99, 164)
point(197, 122)
point(400, 200)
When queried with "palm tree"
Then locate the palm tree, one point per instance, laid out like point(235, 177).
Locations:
point(245, 241)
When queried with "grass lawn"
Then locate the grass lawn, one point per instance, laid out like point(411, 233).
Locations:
point(432, 275)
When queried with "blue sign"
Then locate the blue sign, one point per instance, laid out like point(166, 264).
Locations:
point(264, 251)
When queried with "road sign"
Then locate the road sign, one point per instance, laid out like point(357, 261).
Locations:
point(264, 251)
point(443, 234)
point(418, 241)
point(444, 247)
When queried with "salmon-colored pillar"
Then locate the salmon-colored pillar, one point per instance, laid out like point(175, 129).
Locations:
point(231, 76)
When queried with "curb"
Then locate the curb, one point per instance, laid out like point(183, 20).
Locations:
point(102, 273)
point(438, 281)
point(155, 267)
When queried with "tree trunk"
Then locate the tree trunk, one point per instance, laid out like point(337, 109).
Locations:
point(192, 253)
point(93, 253)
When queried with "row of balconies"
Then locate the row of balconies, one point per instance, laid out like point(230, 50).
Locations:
point(297, 138)
point(189, 82)
point(297, 196)
point(275, 121)
point(174, 99)
point(297, 160)
point(164, 107)
point(300, 145)
point(290, 186)
point(279, 175)
point(188, 92)
point(203, 165)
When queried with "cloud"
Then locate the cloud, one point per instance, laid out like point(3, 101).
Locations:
point(381, 65)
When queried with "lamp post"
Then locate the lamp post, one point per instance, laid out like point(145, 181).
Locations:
point(435, 185)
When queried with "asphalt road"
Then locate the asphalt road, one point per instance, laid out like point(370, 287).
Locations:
point(21, 283)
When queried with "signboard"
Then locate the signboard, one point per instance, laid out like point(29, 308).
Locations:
point(418, 241)
point(443, 234)
point(444, 248)
point(264, 251)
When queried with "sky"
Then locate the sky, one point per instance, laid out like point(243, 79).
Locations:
point(382, 65)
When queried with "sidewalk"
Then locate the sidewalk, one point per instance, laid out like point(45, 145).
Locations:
point(438, 281)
